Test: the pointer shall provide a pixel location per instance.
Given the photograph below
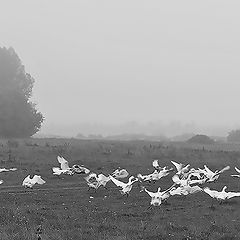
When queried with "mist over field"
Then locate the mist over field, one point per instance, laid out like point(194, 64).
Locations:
point(99, 66)
point(152, 128)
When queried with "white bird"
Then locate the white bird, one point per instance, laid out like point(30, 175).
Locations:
point(236, 175)
point(197, 173)
point(187, 181)
point(29, 182)
point(158, 197)
point(185, 190)
point(221, 196)
point(7, 170)
point(95, 181)
point(91, 180)
point(65, 169)
point(126, 187)
point(120, 173)
point(63, 162)
point(212, 176)
point(103, 180)
point(156, 164)
point(178, 181)
point(156, 175)
point(180, 167)
point(80, 169)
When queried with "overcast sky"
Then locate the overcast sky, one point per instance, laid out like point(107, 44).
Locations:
point(131, 60)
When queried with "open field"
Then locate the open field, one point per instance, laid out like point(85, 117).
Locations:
point(64, 209)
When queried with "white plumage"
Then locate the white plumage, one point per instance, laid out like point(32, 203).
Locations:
point(30, 182)
point(221, 196)
point(236, 175)
point(95, 181)
point(64, 167)
point(158, 197)
point(212, 176)
point(7, 170)
point(181, 169)
point(126, 187)
point(120, 173)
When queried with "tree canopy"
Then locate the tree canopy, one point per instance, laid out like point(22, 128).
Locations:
point(18, 115)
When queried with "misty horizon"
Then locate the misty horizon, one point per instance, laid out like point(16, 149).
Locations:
point(157, 128)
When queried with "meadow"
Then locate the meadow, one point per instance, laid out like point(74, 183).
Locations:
point(64, 208)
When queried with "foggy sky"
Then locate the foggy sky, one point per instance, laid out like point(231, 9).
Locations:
point(130, 60)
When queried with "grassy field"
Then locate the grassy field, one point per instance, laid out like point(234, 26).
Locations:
point(65, 209)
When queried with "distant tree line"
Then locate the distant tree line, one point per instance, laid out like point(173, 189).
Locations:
point(18, 115)
point(234, 136)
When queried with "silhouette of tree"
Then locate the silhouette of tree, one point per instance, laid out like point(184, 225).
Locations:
point(18, 115)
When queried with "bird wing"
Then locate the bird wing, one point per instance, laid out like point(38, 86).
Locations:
point(185, 169)
point(87, 171)
point(164, 172)
point(237, 169)
point(203, 171)
point(176, 179)
point(224, 169)
point(144, 177)
point(117, 182)
point(101, 177)
point(208, 171)
point(175, 191)
point(26, 179)
point(235, 175)
point(91, 175)
point(80, 169)
point(169, 189)
point(196, 174)
point(151, 194)
point(177, 165)
point(212, 193)
point(233, 194)
point(155, 164)
point(194, 189)
point(56, 170)
point(38, 179)
point(197, 181)
point(63, 162)
point(114, 173)
point(4, 170)
point(13, 169)
point(123, 173)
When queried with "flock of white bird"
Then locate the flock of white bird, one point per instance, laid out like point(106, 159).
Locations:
point(185, 180)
